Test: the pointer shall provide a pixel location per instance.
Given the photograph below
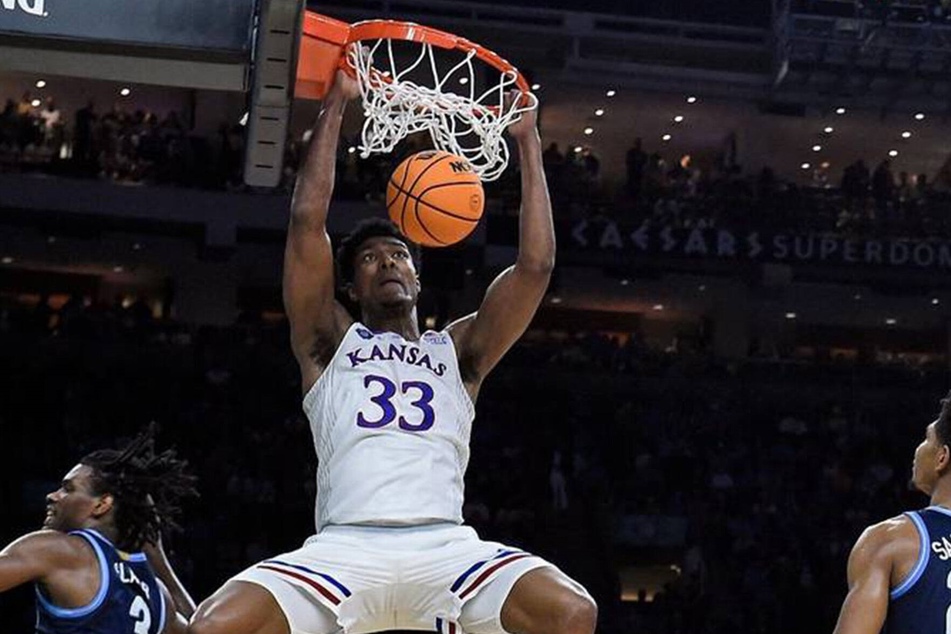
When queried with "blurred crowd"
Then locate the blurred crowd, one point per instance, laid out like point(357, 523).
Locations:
point(128, 147)
point(678, 194)
point(900, 11)
point(142, 148)
point(751, 479)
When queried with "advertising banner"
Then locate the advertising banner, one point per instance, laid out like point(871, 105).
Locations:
point(223, 25)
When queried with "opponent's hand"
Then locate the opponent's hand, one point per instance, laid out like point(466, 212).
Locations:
point(527, 124)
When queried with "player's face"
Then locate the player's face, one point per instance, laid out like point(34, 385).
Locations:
point(72, 503)
point(384, 274)
point(928, 455)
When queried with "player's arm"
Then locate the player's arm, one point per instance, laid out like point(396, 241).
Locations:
point(512, 299)
point(36, 557)
point(179, 598)
point(317, 321)
point(869, 578)
point(175, 621)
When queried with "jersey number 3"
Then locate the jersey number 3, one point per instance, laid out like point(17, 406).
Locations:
point(143, 617)
point(384, 400)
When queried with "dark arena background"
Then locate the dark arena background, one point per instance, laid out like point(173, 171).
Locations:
point(745, 337)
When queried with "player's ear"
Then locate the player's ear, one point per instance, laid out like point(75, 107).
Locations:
point(103, 505)
point(944, 458)
point(350, 292)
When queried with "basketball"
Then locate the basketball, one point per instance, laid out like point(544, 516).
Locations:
point(435, 198)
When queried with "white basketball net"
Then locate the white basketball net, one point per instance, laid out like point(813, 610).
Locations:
point(469, 125)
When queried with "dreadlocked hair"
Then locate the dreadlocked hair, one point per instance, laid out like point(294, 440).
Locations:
point(147, 488)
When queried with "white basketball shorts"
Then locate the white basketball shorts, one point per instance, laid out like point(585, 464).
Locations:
point(362, 579)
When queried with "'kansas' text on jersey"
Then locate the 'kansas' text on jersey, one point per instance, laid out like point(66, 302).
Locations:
point(391, 421)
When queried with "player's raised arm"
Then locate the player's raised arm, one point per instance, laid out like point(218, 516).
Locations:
point(181, 600)
point(514, 296)
point(317, 321)
point(869, 577)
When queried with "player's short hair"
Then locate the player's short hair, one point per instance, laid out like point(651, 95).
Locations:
point(147, 488)
point(366, 229)
point(942, 427)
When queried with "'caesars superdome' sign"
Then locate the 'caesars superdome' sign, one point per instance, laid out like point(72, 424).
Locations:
point(33, 7)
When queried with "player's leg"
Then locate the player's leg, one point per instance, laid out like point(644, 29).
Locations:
point(543, 600)
point(245, 607)
point(239, 607)
point(547, 601)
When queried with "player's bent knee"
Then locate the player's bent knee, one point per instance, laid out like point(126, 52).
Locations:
point(239, 608)
point(578, 615)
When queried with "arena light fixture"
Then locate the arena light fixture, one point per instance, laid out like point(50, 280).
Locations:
point(805, 166)
point(658, 307)
point(136, 246)
point(599, 112)
point(790, 315)
point(840, 111)
point(610, 93)
point(828, 129)
point(935, 301)
point(555, 300)
point(351, 150)
point(125, 92)
point(536, 86)
point(41, 83)
point(857, 296)
point(118, 269)
point(702, 288)
point(588, 131)
point(891, 321)
point(893, 153)
point(625, 282)
point(679, 118)
point(36, 103)
point(578, 149)
point(691, 99)
point(463, 80)
point(825, 165)
point(920, 116)
point(666, 138)
point(906, 134)
point(816, 148)
point(50, 239)
point(7, 260)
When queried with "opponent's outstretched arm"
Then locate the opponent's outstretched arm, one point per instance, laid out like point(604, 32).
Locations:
point(869, 577)
point(512, 299)
point(317, 321)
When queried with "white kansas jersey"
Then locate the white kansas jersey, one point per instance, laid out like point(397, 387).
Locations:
point(391, 421)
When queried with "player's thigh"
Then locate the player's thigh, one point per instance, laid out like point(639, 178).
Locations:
point(542, 600)
point(242, 607)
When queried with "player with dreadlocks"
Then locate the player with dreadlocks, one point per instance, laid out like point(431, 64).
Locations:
point(98, 563)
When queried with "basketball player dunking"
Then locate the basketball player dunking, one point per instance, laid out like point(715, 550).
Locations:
point(391, 411)
point(900, 569)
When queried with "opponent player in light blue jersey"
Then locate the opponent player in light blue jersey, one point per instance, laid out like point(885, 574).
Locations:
point(90, 575)
point(900, 569)
point(391, 411)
